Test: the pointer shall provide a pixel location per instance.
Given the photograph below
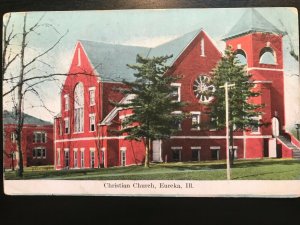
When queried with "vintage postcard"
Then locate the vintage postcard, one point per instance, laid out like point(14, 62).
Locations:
point(170, 102)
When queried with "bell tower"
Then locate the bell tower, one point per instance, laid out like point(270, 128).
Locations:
point(258, 44)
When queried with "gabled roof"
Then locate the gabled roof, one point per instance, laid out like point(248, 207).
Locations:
point(9, 118)
point(174, 47)
point(251, 21)
point(110, 60)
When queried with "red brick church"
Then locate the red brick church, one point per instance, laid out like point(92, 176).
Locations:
point(82, 129)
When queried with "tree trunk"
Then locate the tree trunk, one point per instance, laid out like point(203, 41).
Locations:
point(20, 159)
point(147, 152)
point(19, 105)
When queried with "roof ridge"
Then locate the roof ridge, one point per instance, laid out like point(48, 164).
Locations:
point(181, 36)
point(108, 43)
point(119, 44)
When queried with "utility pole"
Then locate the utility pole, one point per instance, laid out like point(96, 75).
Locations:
point(226, 86)
point(297, 128)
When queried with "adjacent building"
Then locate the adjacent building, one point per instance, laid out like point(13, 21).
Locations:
point(84, 136)
point(37, 141)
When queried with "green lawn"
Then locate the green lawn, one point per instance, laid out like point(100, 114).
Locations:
point(263, 169)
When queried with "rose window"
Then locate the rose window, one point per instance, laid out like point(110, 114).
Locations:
point(203, 89)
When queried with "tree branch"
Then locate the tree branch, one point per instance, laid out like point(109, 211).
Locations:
point(45, 52)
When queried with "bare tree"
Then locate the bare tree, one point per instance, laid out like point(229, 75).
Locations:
point(28, 76)
point(23, 81)
point(8, 37)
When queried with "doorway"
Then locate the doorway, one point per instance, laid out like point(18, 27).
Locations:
point(275, 127)
point(156, 151)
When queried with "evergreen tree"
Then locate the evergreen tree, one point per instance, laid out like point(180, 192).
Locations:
point(152, 105)
point(242, 113)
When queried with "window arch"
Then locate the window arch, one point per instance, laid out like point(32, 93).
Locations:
point(267, 56)
point(78, 107)
point(241, 57)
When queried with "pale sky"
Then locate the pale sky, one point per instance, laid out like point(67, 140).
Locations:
point(144, 28)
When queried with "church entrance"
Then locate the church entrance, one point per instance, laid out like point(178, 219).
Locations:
point(156, 151)
point(275, 127)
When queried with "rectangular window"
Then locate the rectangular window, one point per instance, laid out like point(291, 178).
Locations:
point(195, 120)
point(39, 152)
point(43, 137)
point(43, 151)
point(176, 155)
point(255, 128)
point(60, 127)
point(39, 137)
point(92, 96)
point(195, 155)
point(82, 158)
point(215, 152)
point(213, 124)
point(123, 157)
point(78, 117)
point(92, 122)
point(67, 158)
point(36, 137)
point(67, 125)
point(13, 137)
point(177, 123)
point(92, 158)
point(58, 157)
point(176, 93)
point(67, 102)
point(75, 158)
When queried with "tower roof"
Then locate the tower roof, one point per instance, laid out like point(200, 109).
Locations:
point(252, 21)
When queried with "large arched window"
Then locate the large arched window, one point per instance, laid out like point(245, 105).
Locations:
point(78, 107)
point(241, 57)
point(267, 56)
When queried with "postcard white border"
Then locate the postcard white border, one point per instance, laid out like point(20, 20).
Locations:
point(255, 188)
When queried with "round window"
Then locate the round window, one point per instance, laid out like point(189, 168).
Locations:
point(203, 89)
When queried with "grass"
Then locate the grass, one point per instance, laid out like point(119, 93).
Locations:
point(262, 169)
